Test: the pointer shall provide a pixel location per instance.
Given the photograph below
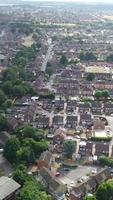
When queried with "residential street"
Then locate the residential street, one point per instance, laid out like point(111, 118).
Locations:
point(48, 55)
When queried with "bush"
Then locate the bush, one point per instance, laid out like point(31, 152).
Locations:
point(105, 161)
point(102, 139)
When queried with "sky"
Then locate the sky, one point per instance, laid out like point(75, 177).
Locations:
point(85, 1)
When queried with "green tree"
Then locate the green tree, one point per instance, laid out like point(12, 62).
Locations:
point(11, 147)
point(49, 71)
point(90, 198)
point(98, 94)
point(105, 94)
point(90, 77)
point(109, 58)
point(28, 131)
point(3, 123)
point(7, 87)
point(30, 191)
point(11, 74)
point(106, 161)
point(69, 148)
point(19, 91)
point(20, 174)
point(105, 191)
point(63, 60)
point(2, 97)
point(88, 56)
point(25, 155)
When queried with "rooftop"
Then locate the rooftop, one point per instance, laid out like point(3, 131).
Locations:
point(98, 69)
point(7, 187)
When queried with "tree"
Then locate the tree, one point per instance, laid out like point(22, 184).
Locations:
point(90, 77)
point(3, 123)
point(11, 147)
point(63, 60)
point(69, 148)
point(90, 198)
point(2, 97)
point(25, 155)
point(49, 71)
point(98, 94)
point(19, 91)
point(88, 56)
point(7, 104)
point(7, 87)
point(30, 191)
point(105, 191)
point(105, 94)
point(109, 58)
point(106, 161)
point(20, 175)
point(28, 131)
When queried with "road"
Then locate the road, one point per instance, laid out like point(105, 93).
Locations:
point(48, 56)
point(50, 83)
point(110, 122)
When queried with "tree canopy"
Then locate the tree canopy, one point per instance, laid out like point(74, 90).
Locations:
point(69, 148)
point(90, 77)
point(63, 60)
point(88, 56)
point(105, 191)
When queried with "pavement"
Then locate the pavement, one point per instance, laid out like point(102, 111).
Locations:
point(75, 174)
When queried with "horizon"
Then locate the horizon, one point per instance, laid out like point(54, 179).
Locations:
point(76, 1)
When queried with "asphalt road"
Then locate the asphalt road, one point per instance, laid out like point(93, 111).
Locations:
point(48, 56)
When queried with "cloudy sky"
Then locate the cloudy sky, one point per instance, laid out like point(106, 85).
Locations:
point(91, 1)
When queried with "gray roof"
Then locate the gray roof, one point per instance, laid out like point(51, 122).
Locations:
point(2, 57)
point(46, 155)
point(7, 187)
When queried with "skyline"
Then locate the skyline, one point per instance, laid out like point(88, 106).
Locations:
point(81, 1)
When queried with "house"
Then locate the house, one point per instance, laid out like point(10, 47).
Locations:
point(30, 112)
point(108, 108)
point(102, 149)
point(59, 104)
point(84, 107)
point(102, 176)
point(8, 188)
point(52, 184)
point(44, 160)
point(58, 121)
point(89, 148)
point(71, 105)
point(82, 148)
point(85, 119)
point(71, 121)
point(103, 85)
point(59, 137)
point(76, 194)
point(86, 89)
point(42, 121)
point(3, 60)
point(47, 104)
point(96, 108)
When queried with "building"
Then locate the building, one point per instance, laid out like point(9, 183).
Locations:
point(52, 184)
point(8, 188)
